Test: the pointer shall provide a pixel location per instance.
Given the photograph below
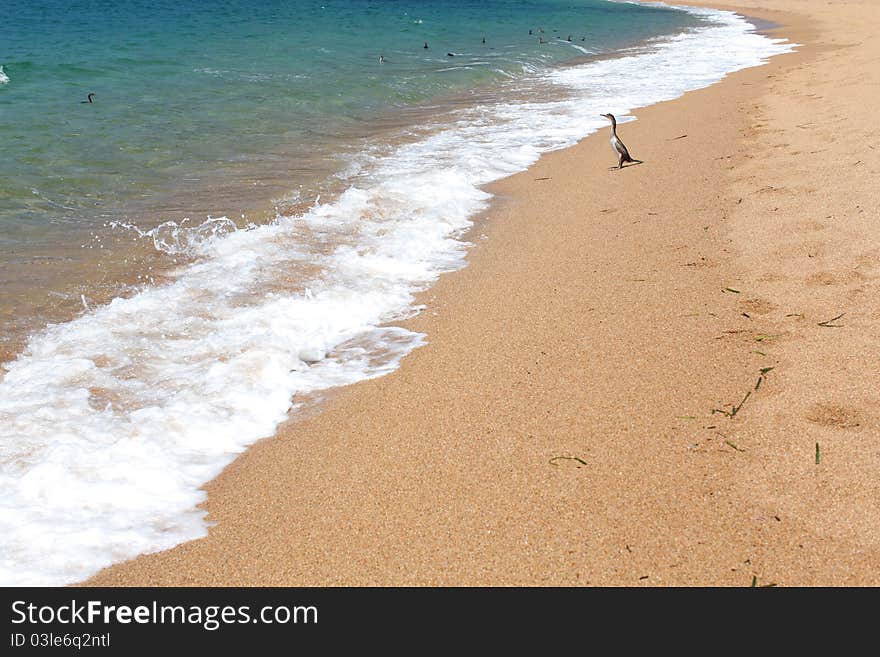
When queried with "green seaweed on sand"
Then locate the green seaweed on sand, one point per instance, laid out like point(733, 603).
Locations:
point(736, 409)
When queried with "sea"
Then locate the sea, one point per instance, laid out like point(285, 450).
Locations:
point(213, 210)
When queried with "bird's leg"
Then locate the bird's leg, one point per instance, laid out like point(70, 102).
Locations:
point(620, 162)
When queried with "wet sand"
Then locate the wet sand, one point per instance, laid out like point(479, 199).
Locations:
point(595, 404)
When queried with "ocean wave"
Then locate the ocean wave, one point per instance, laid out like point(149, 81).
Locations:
point(176, 239)
point(4, 79)
point(111, 423)
point(227, 74)
point(585, 51)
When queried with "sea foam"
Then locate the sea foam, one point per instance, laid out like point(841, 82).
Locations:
point(4, 79)
point(111, 423)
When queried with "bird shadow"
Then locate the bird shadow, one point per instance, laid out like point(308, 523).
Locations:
point(627, 165)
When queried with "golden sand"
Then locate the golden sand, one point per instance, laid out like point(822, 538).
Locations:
point(572, 419)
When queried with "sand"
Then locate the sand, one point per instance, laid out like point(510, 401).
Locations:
point(572, 420)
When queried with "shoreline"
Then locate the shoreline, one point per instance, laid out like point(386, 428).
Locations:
point(109, 273)
point(602, 340)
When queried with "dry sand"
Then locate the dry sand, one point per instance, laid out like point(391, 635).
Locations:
point(593, 322)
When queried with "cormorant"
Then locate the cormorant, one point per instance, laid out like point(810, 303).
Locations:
point(622, 153)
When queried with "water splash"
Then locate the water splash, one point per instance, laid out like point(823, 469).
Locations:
point(176, 239)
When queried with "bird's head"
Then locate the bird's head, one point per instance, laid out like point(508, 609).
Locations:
point(610, 117)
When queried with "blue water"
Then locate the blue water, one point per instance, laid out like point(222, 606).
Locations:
point(208, 106)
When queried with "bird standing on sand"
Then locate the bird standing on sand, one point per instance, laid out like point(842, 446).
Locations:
point(90, 97)
point(622, 153)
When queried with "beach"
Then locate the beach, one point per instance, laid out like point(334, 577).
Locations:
point(665, 375)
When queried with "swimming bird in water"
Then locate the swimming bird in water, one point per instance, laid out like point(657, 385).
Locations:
point(381, 59)
point(426, 45)
point(90, 96)
point(622, 153)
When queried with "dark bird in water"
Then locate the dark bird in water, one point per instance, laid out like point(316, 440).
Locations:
point(569, 38)
point(484, 39)
point(449, 54)
point(381, 59)
point(530, 33)
point(622, 153)
point(90, 97)
point(426, 45)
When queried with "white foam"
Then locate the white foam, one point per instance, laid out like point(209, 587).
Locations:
point(178, 238)
point(111, 423)
point(4, 79)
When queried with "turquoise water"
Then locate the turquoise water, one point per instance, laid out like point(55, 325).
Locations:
point(199, 95)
